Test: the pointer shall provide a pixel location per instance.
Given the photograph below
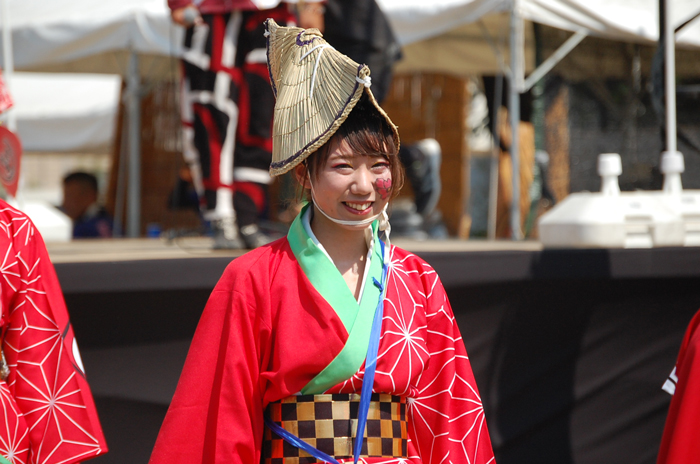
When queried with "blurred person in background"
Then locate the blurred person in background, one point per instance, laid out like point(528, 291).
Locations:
point(360, 30)
point(90, 220)
point(227, 108)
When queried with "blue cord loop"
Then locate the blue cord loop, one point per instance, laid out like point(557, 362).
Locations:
point(367, 384)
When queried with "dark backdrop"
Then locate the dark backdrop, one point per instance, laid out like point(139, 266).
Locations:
point(569, 351)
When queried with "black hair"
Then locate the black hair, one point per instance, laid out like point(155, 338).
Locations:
point(367, 132)
point(83, 178)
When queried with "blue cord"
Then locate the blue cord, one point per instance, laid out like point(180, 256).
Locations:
point(370, 365)
point(367, 384)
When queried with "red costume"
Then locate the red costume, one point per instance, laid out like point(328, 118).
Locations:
point(227, 109)
point(680, 444)
point(48, 411)
point(266, 332)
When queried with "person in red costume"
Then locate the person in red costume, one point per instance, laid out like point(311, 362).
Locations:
point(49, 415)
point(330, 333)
point(680, 444)
point(227, 110)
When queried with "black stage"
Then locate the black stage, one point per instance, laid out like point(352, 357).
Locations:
point(570, 348)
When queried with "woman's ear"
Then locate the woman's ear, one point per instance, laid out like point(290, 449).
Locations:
point(301, 173)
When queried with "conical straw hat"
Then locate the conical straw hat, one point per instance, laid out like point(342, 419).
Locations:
point(316, 87)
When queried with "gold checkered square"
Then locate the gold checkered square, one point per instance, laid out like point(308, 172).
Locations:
point(329, 423)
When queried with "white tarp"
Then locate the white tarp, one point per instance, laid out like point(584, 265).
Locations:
point(59, 31)
point(632, 20)
point(416, 20)
point(49, 33)
point(629, 20)
point(441, 35)
point(66, 112)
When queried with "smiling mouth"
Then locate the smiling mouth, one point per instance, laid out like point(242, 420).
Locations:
point(358, 206)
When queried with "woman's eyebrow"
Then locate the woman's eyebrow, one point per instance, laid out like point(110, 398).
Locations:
point(342, 156)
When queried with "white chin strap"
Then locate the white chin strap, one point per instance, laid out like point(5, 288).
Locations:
point(383, 217)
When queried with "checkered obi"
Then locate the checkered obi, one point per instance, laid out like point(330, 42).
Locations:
point(328, 422)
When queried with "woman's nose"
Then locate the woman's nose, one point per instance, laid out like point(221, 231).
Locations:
point(363, 182)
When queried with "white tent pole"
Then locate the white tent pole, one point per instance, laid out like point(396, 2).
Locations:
point(515, 84)
point(133, 220)
point(9, 64)
point(555, 58)
point(670, 75)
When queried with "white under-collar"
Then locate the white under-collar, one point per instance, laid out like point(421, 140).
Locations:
point(369, 239)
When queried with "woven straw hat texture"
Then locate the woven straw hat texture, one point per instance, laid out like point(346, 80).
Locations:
point(315, 87)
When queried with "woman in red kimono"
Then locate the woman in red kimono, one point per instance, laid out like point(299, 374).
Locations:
point(294, 330)
point(48, 414)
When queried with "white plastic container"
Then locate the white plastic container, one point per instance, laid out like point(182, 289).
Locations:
point(614, 219)
point(627, 220)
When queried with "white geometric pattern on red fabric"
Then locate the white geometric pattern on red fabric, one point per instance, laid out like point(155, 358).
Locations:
point(14, 442)
point(422, 357)
point(45, 414)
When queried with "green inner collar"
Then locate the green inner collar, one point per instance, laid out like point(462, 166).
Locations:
point(357, 318)
point(326, 278)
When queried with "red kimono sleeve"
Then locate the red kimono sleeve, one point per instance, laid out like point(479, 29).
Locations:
point(216, 415)
point(46, 383)
point(680, 444)
point(447, 422)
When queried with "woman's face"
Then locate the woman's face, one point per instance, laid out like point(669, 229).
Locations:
point(350, 186)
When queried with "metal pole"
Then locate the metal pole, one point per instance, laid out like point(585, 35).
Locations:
point(670, 77)
point(133, 220)
point(9, 63)
point(516, 47)
point(495, 155)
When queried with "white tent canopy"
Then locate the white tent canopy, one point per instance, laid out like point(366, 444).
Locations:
point(66, 112)
point(633, 20)
point(448, 36)
point(49, 34)
point(85, 35)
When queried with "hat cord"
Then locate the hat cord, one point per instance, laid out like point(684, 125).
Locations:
point(366, 81)
point(360, 222)
point(322, 46)
point(384, 224)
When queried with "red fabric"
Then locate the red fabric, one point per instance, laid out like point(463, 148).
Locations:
point(680, 443)
point(213, 181)
point(255, 192)
point(215, 6)
point(266, 332)
point(218, 31)
point(49, 413)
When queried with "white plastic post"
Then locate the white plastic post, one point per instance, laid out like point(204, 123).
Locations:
point(609, 168)
point(672, 165)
